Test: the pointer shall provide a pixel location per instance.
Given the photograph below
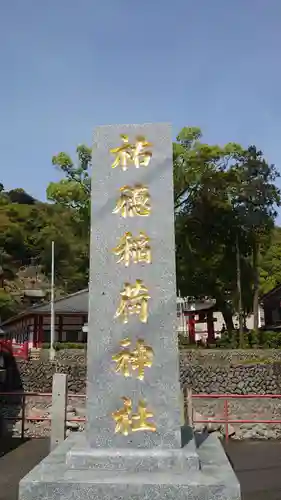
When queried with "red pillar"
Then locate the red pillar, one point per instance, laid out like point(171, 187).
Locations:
point(191, 328)
point(210, 328)
point(25, 350)
point(35, 331)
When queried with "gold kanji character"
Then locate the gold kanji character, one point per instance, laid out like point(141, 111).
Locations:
point(135, 154)
point(138, 359)
point(123, 417)
point(123, 359)
point(139, 420)
point(134, 300)
point(142, 357)
point(127, 422)
point(133, 201)
point(136, 249)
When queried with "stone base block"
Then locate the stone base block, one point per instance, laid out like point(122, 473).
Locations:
point(81, 456)
point(55, 478)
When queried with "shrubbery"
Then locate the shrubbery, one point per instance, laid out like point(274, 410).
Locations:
point(262, 340)
point(59, 346)
point(270, 339)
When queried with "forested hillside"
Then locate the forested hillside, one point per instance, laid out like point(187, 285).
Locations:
point(27, 228)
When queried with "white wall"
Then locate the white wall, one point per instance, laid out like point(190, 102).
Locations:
point(201, 328)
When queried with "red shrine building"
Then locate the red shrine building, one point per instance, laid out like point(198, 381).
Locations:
point(197, 320)
point(34, 324)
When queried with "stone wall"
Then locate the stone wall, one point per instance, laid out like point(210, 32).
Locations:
point(220, 372)
point(201, 356)
point(227, 357)
point(205, 371)
point(36, 376)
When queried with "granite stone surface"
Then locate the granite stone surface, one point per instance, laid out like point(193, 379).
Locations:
point(82, 456)
point(52, 479)
point(160, 388)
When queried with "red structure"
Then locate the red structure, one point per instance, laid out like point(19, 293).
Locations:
point(33, 325)
point(71, 315)
point(197, 313)
point(17, 350)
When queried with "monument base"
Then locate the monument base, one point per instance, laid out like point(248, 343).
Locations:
point(71, 472)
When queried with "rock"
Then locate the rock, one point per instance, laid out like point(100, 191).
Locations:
point(259, 430)
point(17, 425)
point(271, 434)
point(213, 426)
point(70, 415)
point(74, 426)
point(70, 409)
point(247, 435)
point(80, 411)
point(35, 414)
point(198, 427)
point(231, 430)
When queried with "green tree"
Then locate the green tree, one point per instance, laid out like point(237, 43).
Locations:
point(74, 191)
point(20, 196)
point(71, 252)
point(8, 306)
point(195, 162)
point(270, 263)
point(205, 238)
point(73, 195)
point(26, 232)
point(225, 200)
point(215, 233)
point(257, 197)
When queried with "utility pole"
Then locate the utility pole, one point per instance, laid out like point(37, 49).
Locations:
point(52, 350)
point(239, 290)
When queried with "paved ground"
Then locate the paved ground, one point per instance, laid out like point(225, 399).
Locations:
point(257, 465)
point(15, 464)
point(258, 468)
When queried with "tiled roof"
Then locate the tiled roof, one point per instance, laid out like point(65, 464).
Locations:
point(76, 302)
point(73, 303)
point(274, 292)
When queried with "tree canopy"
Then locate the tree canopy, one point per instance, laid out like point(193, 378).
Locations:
point(224, 197)
point(27, 228)
point(225, 208)
point(74, 191)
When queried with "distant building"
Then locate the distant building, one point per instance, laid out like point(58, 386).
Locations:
point(200, 319)
point(34, 324)
point(272, 308)
point(197, 320)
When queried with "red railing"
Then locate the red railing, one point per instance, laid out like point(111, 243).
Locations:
point(22, 408)
point(226, 420)
point(188, 400)
point(17, 350)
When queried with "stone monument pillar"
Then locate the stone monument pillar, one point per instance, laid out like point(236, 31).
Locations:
point(134, 446)
point(132, 339)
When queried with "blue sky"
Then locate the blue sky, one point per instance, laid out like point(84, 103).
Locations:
point(67, 66)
